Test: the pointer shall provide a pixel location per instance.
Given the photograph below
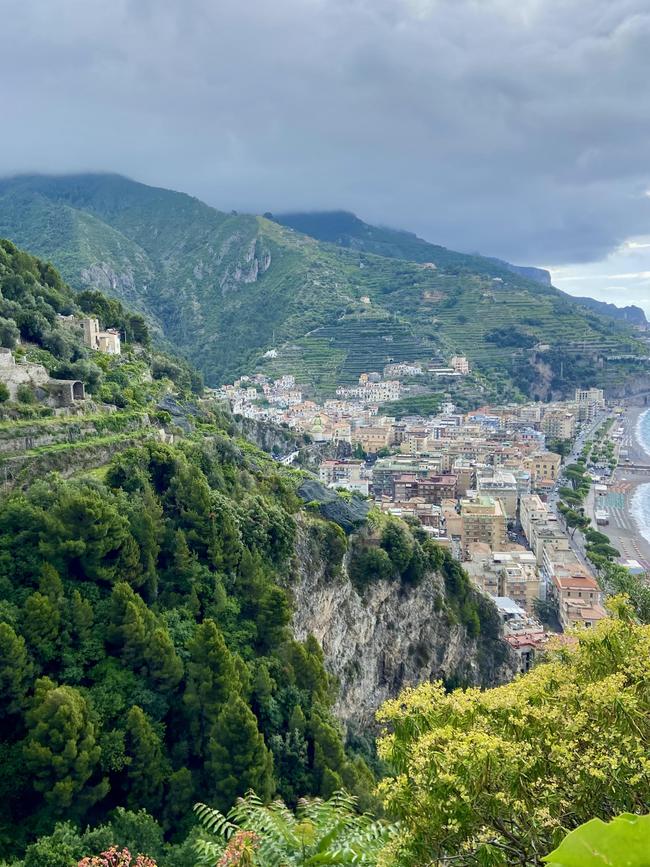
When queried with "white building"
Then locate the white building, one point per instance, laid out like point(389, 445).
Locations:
point(101, 341)
point(460, 364)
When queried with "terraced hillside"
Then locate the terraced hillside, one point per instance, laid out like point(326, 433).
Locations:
point(42, 344)
point(225, 289)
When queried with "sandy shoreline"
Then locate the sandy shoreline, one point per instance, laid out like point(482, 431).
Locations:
point(623, 529)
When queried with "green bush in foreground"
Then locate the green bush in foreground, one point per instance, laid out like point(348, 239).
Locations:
point(499, 777)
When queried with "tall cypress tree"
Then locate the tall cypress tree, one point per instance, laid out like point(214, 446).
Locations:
point(15, 671)
point(147, 766)
point(238, 759)
point(165, 666)
point(211, 680)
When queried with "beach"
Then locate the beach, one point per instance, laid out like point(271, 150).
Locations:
point(628, 497)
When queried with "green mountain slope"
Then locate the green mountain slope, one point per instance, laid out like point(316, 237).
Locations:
point(147, 658)
point(226, 288)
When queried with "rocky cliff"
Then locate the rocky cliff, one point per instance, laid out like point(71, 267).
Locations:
point(390, 637)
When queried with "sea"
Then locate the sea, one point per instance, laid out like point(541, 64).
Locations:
point(641, 498)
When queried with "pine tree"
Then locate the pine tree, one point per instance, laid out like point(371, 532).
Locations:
point(15, 671)
point(227, 547)
point(134, 635)
point(165, 666)
point(82, 617)
point(183, 575)
point(61, 750)
point(87, 537)
point(146, 522)
point(297, 720)
point(51, 585)
point(41, 626)
point(211, 680)
point(329, 756)
point(179, 800)
point(273, 615)
point(130, 623)
point(147, 767)
point(238, 759)
point(290, 760)
point(188, 500)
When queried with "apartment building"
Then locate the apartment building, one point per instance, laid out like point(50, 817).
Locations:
point(500, 485)
point(576, 594)
point(531, 510)
point(543, 466)
point(589, 401)
point(524, 634)
point(459, 364)
point(344, 474)
point(513, 573)
point(373, 438)
point(482, 520)
point(559, 424)
point(386, 470)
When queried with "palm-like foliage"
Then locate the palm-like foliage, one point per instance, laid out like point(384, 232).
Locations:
point(319, 833)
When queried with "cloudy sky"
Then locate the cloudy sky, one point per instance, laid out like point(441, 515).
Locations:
point(518, 128)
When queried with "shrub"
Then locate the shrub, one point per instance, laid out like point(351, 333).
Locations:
point(9, 333)
point(368, 565)
point(499, 776)
point(25, 394)
point(398, 544)
point(117, 858)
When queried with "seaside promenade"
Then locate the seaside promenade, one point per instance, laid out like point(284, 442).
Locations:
point(623, 530)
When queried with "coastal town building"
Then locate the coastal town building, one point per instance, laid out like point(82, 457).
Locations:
point(474, 481)
point(559, 424)
point(349, 475)
point(482, 520)
point(56, 393)
point(577, 596)
point(513, 573)
point(543, 467)
point(501, 485)
point(589, 402)
point(524, 634)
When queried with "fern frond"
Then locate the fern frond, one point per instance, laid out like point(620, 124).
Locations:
point(214, 821)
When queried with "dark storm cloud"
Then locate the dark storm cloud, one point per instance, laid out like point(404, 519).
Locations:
point(515, 127)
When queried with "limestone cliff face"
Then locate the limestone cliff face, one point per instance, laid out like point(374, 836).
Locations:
point(388, 638)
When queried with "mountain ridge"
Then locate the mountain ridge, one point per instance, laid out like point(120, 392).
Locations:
point(224, 289)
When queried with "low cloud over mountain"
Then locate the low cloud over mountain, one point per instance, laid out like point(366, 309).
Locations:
point(518, 129)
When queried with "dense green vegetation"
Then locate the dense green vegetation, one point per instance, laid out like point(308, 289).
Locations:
point(33, 295)
point(425, 404)
point(223, 289)
point(145, 658)
point(499, 777)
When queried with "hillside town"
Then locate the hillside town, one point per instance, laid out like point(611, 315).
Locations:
point(481, 483)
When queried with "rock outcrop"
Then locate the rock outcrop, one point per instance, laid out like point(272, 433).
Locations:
point(388, 638)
